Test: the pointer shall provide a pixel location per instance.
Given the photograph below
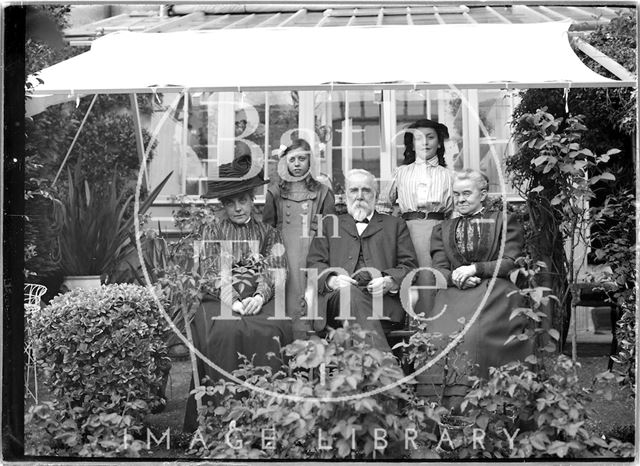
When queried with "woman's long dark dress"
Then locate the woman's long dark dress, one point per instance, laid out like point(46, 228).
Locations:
point(475, 240)
point(222, 340)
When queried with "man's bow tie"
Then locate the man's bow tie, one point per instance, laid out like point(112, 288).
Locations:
point(366, 220)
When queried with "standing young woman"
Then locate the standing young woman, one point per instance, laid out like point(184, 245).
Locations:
point(292, 207)
point(422, 187)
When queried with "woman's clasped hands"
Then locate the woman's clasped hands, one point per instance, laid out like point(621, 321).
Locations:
point(464, 277)
point(248, 306)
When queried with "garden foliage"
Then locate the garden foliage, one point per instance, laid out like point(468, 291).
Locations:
point(335, 415)
point(558, 176)
point(615, 243)
point(95, 233)
point(54, 429)
point(106, 147)
point(615, 106)
point(627, 338)
point(170, 264)
point(544, 414)
point(533, 408)
point(105, 362)
point(610, 115)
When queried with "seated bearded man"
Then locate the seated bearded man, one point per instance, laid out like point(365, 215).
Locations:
point(367, 254)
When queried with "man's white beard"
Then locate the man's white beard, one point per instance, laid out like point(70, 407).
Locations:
point(358, 213)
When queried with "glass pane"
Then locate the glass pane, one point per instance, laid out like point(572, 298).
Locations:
point(452, 109)
point(196, 149)
point(348, 128)
point(495, 113)
point(324, 130)
point(367, 158)
point(490, 166)
point(284, 113)
point(495, 108)
point(222, 126)
point(168, 149)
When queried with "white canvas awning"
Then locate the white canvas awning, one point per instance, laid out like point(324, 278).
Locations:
point(435, 56)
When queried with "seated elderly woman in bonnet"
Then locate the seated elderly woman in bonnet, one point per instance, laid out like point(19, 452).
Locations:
point(466, 250)
point(239, 318)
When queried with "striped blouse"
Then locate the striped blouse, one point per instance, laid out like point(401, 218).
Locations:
point(248, 239)
point(422, 186)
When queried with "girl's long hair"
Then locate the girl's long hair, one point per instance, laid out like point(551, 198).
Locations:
point(310, 182)
point(441, 131)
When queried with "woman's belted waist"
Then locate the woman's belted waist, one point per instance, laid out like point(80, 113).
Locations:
point(417, 215)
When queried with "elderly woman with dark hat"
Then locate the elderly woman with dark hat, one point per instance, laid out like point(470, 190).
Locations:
point(238, 313)
point(422, 187)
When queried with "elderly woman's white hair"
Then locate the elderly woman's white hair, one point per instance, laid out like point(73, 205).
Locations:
point(480, 179)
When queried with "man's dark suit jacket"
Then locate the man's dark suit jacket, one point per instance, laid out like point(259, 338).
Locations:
point(385, 244)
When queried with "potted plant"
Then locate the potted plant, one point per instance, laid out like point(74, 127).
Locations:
point(93, 229)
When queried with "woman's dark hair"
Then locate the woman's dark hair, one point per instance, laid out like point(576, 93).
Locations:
point(441, 131)
point(311, 183)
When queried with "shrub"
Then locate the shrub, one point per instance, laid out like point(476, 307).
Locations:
point(626, 333)
point(533, 408)
point(559, 177)
point(424, 345)
point(543, 413)
point(103, 350)
point(615, 243)
point(343, 365)
point(52, 429)
point(525, 409)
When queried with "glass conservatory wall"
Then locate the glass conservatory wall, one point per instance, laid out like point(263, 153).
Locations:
point(347, 129)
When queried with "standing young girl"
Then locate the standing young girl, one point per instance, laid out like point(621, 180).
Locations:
point(292, 206)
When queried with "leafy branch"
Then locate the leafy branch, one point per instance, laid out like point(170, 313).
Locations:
point(559, 163)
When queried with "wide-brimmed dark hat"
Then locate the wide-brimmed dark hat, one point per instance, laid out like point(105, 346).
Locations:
point(222, 187)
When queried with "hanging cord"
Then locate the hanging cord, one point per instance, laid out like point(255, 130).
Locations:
point(84, 120)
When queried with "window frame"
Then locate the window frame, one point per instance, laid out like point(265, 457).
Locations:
point(388, 149)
